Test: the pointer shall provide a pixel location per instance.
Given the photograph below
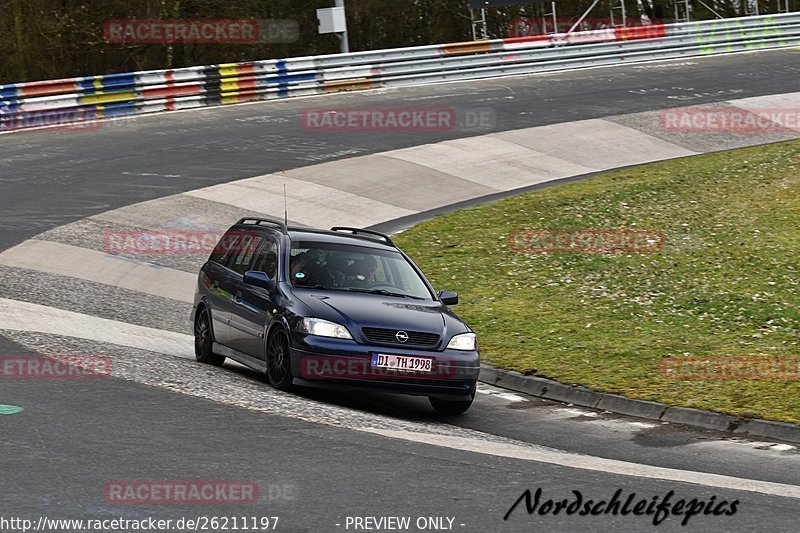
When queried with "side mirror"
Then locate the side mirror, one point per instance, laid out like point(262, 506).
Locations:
point(448, 297)
point(259, 279)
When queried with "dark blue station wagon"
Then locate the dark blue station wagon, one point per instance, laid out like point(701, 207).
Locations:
point(343, 308)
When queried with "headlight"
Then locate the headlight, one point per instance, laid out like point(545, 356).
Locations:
point(465, 341)
point(324, 328)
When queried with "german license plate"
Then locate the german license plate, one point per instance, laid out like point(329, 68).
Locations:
point(402, 362)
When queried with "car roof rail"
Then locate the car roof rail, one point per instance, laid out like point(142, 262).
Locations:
point(356, 231)
point(258, 221)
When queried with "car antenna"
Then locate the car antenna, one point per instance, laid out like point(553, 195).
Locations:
point(285, 207)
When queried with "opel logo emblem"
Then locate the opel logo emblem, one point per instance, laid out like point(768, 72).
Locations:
point(401, 336)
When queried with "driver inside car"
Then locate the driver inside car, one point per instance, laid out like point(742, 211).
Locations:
point(308, 269)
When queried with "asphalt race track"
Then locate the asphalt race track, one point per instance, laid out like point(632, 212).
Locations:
point(51, 178)
point(342, 455)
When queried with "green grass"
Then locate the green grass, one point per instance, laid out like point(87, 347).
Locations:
point(725, 283)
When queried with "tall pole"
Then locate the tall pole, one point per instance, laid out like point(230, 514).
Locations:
point(344, 45)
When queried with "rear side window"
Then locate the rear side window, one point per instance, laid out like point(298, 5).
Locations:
point(267, 259)
point(243, 255)
point(226, 247)
point(236, 250)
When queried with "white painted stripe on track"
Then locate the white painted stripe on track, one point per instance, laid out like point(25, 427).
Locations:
point(400, 183)
point(598, 464)
point(785, 106)
point(309, 203)
point(596, 144)
point(23, 316)
point(175, 212)
point(495, 392)
point(490, 161)
point(99, 267)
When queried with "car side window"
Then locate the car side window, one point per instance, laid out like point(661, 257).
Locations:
point(245, 250)
point(267, 259)
point(226, 247)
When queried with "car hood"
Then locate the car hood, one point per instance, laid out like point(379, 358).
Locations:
point(357, 310)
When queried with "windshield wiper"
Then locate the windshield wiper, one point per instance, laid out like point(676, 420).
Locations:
point(384, 292)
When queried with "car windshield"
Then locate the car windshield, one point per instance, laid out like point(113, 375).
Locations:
point(353, 268)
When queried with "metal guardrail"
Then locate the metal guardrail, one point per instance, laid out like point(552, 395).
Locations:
point(24, 105)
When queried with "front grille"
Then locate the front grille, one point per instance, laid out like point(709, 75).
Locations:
point(389, 336)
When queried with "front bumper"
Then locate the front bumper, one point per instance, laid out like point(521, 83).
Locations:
point(327, 363)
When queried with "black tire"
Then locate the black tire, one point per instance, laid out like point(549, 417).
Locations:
point(204, 340)
point(279, 366)
point(451, 407)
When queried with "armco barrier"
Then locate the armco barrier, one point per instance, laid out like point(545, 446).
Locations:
point(24, 105)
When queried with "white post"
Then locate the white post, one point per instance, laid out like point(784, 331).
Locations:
point(334, 20)
point(345, 45)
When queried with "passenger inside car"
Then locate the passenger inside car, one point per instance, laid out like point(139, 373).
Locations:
point(308, 270)
point(362, 272)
